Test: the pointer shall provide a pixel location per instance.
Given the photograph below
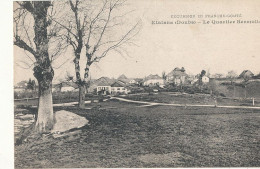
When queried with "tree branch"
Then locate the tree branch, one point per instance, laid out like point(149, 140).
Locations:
point(64, 27)
point(102, 33)
point(29, 66)
point(124, 39)
point(92, 23)
point(26, 5)
point(62, 64)
point(20, 43)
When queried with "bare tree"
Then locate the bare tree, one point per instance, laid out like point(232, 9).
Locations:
point(217, 75)
point(35, 33)
point(91, 26)
point(231, 75)
point(164, 76)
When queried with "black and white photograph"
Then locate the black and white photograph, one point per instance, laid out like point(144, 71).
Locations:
point(136, 83)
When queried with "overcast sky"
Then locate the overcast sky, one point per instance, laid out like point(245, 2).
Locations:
point(214, 48)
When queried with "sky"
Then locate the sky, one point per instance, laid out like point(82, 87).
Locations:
point(214, 48)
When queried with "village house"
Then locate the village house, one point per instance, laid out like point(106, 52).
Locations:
point(153, 80)
point(95, 82)
point(104, 87)
point(124, 79)
point(246, 74)
point(108, 86)
point(136, 81)
point(21, 86)
point(205, 79)
point(65, 87)
point(177, 76)
point(69, 86)
point(119, 87)
point(132, 81)
point(24, 85)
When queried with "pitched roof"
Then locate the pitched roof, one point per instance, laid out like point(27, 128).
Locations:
point(125, 80)
point(21, 84)
point(177, 69)
point(122, 77)
point(246, 73)
point(118, 84)
point(152, 77)
point(177, 72)
point(104, 81)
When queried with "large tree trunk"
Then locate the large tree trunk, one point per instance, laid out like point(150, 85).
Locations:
point(43, 71)
point(82, 92)
point(84, 85)
point(45, 117)
point(44, 74)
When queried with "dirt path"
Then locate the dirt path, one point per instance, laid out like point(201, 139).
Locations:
point(147, 104)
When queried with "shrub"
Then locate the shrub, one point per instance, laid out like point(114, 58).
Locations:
point(221, 94)
point(134, 90)
point(26, 94)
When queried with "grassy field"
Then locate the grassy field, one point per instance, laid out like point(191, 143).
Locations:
point(124, 135)
point(56, 99)
point(204, 99)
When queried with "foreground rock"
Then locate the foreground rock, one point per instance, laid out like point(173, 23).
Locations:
point(66, 120)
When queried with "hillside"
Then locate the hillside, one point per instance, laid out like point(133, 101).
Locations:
point(252, 89)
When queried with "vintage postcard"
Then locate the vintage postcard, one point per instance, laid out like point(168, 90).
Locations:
point(136, 83)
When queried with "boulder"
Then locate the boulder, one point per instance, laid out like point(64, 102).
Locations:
point(66, 120)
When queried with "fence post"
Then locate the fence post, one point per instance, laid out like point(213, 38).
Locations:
point(216, 102)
